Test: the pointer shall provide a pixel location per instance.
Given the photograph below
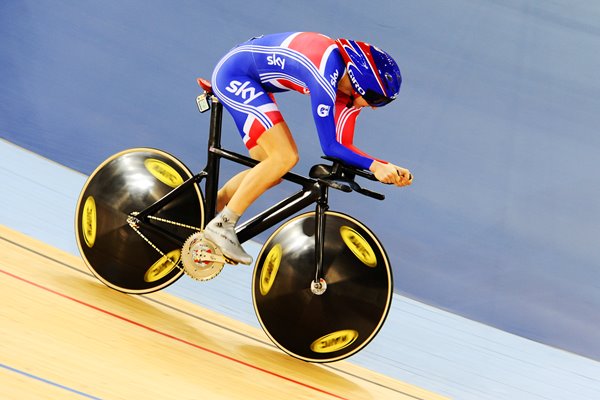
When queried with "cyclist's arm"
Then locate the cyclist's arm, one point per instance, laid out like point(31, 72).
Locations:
point(332, 148)
point(335, 126)
point(345, 120)
point(340, 145)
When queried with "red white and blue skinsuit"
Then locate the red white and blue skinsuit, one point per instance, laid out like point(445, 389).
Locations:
point(309, 63)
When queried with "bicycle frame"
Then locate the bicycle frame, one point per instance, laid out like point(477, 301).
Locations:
point(313, 191)
point(156, 244)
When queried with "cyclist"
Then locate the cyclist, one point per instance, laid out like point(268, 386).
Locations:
point(341, 76)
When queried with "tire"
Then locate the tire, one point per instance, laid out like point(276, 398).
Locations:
point(128, 182)
point(344, 319)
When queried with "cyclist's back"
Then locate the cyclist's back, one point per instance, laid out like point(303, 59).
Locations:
point(297, 61)
point(306, 62)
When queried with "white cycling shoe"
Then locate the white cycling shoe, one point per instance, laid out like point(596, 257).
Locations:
point(221, 231)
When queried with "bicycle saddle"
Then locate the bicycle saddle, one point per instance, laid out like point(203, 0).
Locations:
point(205, 84)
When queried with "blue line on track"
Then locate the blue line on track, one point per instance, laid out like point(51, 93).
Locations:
point(28, 375)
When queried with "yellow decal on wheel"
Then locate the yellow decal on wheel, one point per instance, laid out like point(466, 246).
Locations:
point(163, 172)
point(88, 221)
point(270, 268)
point(163, 266)
point(359, 246)
point(334, 341)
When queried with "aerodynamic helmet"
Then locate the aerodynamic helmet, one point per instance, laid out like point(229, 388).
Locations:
point(373, 72)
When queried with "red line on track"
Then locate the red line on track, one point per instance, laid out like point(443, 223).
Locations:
point(235, 360)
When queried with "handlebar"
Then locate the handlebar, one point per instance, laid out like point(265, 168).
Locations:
point(333, 175)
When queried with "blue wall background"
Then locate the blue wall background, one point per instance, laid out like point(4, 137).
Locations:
point(498, 119)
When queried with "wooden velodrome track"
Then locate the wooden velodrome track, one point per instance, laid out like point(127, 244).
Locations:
point(66, 336)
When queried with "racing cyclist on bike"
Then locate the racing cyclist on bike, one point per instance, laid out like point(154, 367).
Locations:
point(341, 76)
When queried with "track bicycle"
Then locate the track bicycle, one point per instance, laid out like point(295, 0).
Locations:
point(321, 284)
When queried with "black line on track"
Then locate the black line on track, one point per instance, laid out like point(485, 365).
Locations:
point(64, 264)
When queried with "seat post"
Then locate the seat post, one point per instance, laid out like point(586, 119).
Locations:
point(213, 159)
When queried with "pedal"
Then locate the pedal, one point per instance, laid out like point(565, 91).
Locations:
point(230, 261)
point(201, 259)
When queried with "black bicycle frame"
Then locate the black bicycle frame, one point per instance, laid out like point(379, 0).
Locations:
point(313, 191)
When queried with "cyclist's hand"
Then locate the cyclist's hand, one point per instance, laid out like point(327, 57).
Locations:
point(391, 174)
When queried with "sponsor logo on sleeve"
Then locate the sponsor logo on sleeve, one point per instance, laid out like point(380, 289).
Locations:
point(323, 110)
point(334, 77)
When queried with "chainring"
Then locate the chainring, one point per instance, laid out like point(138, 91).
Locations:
point(201, 259)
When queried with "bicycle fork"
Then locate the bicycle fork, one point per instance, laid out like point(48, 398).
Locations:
point(318, 286)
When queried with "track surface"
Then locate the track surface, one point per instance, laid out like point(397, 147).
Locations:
point(64, 335)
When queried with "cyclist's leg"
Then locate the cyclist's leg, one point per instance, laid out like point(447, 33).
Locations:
point(254, 113)
point(229, 188)
point(280, 155)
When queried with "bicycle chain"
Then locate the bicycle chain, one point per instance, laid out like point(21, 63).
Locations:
point(167, 221)
point(134, 224)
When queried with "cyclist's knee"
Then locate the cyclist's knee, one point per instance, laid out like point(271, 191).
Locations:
point(285, 161)
point(277, 182)
point(292, 159)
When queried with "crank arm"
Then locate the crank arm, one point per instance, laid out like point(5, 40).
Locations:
point(215, 258)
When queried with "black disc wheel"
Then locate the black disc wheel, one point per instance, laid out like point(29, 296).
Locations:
point(348, 314)
point(126, 183)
